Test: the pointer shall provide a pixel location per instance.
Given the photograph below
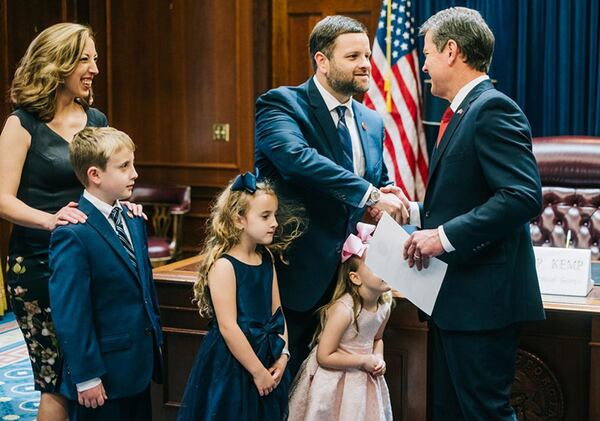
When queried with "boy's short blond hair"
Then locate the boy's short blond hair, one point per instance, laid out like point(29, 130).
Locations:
point(93, 147)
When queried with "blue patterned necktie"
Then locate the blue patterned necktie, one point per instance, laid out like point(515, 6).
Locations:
point(117, 218)
point(345, 139)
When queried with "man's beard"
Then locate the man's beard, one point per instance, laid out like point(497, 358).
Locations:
point(343, 85)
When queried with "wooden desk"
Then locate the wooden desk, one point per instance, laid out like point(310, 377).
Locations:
point(558, 365)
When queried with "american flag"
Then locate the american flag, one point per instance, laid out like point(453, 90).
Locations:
point(395, 94)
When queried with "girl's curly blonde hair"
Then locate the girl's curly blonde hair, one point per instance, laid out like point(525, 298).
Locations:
point(222, 234)
point(50, 58)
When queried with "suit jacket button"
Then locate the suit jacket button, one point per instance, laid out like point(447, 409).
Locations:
point(427, 214)
point(147, 331)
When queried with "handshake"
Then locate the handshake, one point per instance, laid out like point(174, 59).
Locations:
point(393, 201)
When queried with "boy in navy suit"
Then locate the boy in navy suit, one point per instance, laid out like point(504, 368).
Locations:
point(102, 294)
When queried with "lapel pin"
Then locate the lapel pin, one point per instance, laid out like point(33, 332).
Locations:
point(460, 111)
point(364, 126)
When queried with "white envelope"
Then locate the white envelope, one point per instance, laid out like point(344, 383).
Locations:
point(384, 257)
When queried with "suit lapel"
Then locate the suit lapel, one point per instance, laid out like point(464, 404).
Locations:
point(439, 149)
point(97, 221)
point(361, 127)
point(461, 111)
point(325, 122)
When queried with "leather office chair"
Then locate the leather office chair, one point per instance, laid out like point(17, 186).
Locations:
point(570, 172)
point(165, 207)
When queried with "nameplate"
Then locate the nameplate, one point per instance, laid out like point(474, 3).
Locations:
point(564, 271)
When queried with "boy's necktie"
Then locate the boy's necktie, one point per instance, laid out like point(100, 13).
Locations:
point(117, 218)
point(446, 117)
point(345, 139)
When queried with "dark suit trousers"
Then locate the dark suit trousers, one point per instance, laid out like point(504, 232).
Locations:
point(472, 374)
point(301, 328)
point(132, 408)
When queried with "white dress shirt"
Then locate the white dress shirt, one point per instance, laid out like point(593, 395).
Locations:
point(105, 209)
point(358, 155)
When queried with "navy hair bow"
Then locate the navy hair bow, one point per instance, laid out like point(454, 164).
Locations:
point(245, 182)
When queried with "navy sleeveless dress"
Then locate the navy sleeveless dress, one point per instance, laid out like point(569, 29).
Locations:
point(219, 387)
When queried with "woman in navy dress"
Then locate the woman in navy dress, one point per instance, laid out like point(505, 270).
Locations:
point(240, 371)
point(50, 93)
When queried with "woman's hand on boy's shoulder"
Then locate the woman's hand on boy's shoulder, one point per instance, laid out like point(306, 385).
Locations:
point(68, 214)
point(136, 209)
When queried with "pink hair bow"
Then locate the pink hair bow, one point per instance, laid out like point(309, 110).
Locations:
point(355, 245)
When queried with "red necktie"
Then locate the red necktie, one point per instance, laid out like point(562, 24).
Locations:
point(446, 117)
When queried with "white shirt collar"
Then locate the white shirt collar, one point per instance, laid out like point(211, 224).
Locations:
point(464, 91)
point(330, 100)
point(102, 206)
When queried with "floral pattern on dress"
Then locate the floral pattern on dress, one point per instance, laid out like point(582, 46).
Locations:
point(35, 321)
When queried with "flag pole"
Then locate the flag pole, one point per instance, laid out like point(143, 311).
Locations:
point(388, 55)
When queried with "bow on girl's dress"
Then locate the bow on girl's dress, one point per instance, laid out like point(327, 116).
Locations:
point(245, 182)
point(355, 245)
point(265, 336)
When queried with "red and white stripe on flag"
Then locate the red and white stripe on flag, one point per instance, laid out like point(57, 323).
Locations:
point(399, 100)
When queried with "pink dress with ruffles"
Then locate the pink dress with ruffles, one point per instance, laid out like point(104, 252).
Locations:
point(319, 393)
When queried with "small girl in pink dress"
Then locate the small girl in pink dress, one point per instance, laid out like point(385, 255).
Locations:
point(342, 378)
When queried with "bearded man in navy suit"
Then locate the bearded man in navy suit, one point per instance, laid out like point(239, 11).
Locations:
point(483, 190)
point(327, 159)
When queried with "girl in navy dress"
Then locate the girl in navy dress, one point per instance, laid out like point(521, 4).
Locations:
point(240, 370)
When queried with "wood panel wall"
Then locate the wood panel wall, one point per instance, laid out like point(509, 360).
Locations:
point(167, 86)
point(292, 22)
point(171, 69)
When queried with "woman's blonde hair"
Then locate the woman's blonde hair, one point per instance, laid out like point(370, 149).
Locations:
point(222, 234)
point(49, 59)
point(345, 286)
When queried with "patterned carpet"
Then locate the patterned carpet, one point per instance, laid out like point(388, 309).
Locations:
point(18, 399)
